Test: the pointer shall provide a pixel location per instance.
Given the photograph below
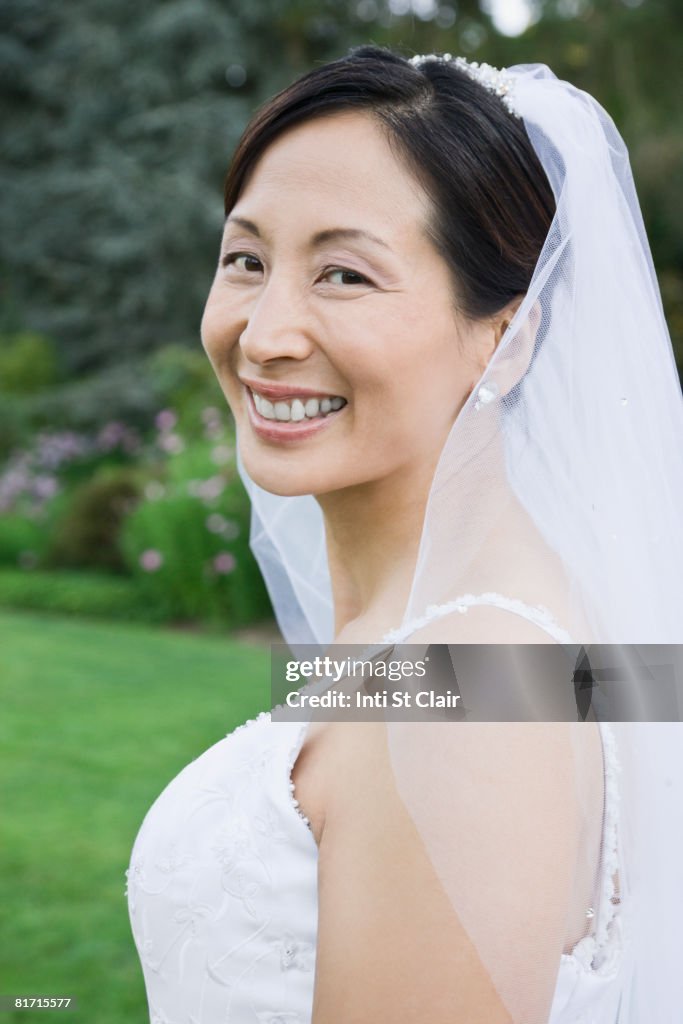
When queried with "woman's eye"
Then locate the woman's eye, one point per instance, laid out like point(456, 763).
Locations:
point(242, 261)
point(338, 275)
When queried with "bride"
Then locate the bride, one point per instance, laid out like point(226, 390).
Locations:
point(436, 323)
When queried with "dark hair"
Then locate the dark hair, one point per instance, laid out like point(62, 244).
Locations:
point(492, 202)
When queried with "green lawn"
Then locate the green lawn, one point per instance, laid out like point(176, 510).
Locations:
point(95, 719)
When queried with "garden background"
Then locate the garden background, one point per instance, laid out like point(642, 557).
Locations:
point(133, 623)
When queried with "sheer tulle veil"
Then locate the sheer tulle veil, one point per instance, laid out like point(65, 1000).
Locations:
point(589, 442)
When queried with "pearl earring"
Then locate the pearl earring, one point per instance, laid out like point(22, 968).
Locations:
point(486, 394)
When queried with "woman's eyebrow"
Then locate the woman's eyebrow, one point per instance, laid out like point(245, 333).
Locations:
point(320, 237)
point(332, 234)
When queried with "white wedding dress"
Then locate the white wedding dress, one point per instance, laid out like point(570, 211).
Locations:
point(222, 886)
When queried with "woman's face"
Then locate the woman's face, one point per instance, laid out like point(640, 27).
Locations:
point(331, 323)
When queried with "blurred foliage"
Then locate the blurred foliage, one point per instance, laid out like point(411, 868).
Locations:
point(184, 379)
point(22, 541)
point(168, 512)
point(86, 595)
point(189, 573)
point(28, 363)
point(187, 542)
point(119, 122)
point(87, 535)
point(130, 392)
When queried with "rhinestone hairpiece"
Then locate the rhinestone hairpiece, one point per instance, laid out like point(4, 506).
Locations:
point(494, 79)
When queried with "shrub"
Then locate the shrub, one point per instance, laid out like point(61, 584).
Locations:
point(22, 541)
point(53, 460)
point(88, 533)
point(188, 542)
point(70, 593)
point(15, 423)
point(169, 510)
point(191, 558)
point(183, 379)
point(28, 363)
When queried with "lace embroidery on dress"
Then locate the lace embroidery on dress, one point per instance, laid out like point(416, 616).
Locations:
point(209, 870)
point(536, 614)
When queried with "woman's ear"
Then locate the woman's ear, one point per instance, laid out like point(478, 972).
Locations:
point(507, 363)
point(510, 361)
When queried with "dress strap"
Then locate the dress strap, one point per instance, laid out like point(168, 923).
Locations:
point(538, 615)
point(608, 896)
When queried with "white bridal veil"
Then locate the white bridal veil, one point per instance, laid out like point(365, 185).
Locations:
point(589, 443)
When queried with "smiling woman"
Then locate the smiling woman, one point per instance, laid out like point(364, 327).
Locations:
point(311, 304)
point(446, 425)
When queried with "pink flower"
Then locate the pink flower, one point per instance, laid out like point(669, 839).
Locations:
point(44, 486)
point(165, 420)
point(171, 443)
point(222, 454)
point(216, 523)
point(231, 529)
point(151, 560)
point(213, 425)
point(154, 490)
point(224, 563)
point(212, 488)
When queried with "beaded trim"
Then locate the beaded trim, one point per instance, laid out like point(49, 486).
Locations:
point(293, 754)
point(538, 615)
point(495, 80)
point(610, 853)
point(600, 952)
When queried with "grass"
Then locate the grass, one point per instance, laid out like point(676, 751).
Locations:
point(96, 718)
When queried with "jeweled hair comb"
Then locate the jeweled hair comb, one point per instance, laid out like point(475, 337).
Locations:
point(496, 80)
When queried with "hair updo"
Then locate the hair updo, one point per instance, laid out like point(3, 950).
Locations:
point(492, 204)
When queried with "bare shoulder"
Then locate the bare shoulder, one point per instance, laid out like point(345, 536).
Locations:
point(392, 942)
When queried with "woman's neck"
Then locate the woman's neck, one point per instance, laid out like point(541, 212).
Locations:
point(373, 534)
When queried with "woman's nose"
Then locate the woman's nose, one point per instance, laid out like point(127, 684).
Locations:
point(278, 326)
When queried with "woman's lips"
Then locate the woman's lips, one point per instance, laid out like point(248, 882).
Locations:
point(287, 430)
point(273, 391)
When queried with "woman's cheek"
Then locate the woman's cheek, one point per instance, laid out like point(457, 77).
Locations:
point(213, 333)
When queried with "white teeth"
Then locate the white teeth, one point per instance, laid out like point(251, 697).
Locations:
point(298, 411)
point(264, 407)
point(295, 410)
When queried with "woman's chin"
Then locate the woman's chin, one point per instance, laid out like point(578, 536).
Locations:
point(280, 487)
point(284, 481)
